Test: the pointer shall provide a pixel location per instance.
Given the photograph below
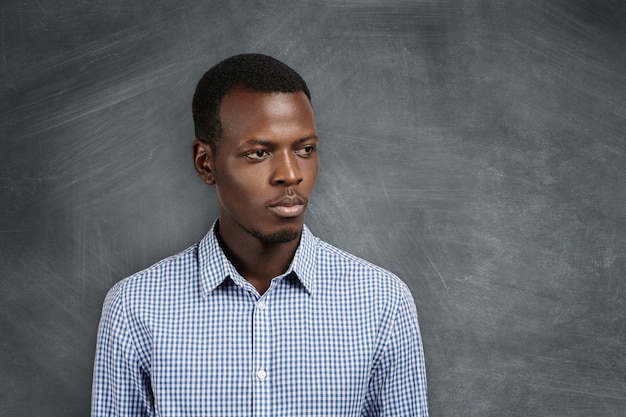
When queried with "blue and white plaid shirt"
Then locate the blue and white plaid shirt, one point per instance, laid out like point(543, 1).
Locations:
point(189, 336)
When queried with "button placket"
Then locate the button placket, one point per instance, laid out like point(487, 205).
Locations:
point(261, 370)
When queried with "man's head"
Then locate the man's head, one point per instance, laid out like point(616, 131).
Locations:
point(249, 72)
point(257, 145)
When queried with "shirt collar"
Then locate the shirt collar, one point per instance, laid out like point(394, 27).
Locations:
point(215, 266)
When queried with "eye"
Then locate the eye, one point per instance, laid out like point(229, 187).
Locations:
point(306, 150)
point(257, 155)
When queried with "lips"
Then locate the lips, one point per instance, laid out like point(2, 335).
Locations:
point(289, 206)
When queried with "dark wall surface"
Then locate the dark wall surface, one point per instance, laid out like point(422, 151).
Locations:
point(477, 149)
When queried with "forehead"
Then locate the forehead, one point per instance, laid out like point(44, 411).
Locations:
point(245, 113)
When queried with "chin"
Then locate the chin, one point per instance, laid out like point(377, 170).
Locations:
point(278, 236)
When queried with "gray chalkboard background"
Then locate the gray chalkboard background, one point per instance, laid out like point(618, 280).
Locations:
point(477, 149)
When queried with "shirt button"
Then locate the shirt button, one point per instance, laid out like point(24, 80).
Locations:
point(261, 374)
point(261, 305)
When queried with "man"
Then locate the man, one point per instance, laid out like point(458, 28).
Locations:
point(260, 318)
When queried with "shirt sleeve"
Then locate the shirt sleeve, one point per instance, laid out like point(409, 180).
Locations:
point(398, 382)
point(120, 386)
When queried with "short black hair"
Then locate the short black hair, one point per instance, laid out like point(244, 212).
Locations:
point(251, 72)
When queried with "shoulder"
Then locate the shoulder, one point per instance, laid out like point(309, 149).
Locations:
point(366, 293)
point(158, 278)
point(355, 273)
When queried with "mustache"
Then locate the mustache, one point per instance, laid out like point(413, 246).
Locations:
point(290, 198)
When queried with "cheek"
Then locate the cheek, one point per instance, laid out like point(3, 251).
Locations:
point(247, 186)
point(312, 170)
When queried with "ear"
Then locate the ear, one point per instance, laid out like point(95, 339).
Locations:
point(203, 161)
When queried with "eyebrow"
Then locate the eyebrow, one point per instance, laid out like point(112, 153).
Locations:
point(265, 142)
point(308, 137)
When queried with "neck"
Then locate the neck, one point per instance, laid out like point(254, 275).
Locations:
point(256, 261)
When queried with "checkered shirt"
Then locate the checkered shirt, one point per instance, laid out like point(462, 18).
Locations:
point(189, 336)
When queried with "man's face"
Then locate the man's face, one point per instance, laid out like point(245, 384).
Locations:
point(265, 165)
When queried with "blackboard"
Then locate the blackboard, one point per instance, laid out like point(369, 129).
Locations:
point(477, 149)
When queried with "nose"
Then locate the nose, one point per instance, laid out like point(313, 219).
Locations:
point(286, 169)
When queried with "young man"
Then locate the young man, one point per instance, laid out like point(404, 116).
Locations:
point(260, 318)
